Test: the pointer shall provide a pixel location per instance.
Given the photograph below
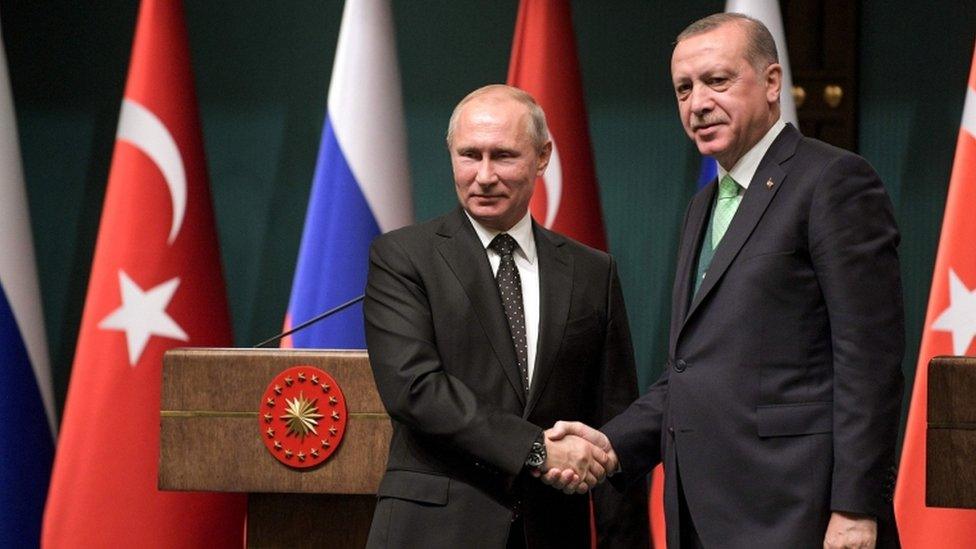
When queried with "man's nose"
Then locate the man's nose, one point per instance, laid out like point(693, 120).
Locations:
point(486, 172)
point(700, 100)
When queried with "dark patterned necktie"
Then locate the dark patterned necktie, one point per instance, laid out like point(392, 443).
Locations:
point(510, 289)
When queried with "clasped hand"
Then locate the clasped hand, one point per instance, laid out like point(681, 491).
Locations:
point(578, 457)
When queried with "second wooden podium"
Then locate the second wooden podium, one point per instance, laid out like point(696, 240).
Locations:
point(950, 447)
point(211, 441)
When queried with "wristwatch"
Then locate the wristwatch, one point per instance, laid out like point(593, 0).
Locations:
point(537, 454)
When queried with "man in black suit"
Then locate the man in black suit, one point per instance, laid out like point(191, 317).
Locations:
point(483, 327)
point(777, 414)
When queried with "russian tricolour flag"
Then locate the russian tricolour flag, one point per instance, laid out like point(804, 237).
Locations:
point(361, 186)
point(26, 399)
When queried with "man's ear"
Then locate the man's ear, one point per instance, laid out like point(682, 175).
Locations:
point(544, 156)
point(773, 77)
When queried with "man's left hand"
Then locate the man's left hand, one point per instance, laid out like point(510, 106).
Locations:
point(851, 531)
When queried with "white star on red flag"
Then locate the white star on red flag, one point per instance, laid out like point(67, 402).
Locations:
point(143, 315)
point(960, 317)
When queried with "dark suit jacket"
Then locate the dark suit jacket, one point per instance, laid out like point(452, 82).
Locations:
point(446, 369)
point(780, 400)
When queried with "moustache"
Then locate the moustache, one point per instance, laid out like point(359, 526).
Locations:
point(699, 122)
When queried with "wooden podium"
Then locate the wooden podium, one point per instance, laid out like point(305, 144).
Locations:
point(210, 441)
point(950, 457)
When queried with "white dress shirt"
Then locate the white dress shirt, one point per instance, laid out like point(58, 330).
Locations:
point(746, 167)
point(527, 264)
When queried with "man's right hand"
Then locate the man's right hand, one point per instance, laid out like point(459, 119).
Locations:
point(568, 480)
point(583, 464)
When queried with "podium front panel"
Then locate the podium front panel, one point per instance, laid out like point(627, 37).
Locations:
point(210, 437)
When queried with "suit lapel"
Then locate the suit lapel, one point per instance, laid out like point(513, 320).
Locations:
point(464, 253)
point(555, 292)
point(754, 204)
point(694, 228)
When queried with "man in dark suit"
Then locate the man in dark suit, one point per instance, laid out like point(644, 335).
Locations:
point(777, 414)
point(483, 327)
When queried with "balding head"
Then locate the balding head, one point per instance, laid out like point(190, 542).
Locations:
point(537, 129)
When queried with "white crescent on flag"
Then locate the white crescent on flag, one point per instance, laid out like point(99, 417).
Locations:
point(969, 113)
point(145, 131)
point(553, 180)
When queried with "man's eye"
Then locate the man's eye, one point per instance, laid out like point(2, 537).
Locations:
point(718, 82)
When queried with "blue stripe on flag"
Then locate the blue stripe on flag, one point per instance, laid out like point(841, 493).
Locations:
point(709, 171)
point(26, 447)
point(334, 253)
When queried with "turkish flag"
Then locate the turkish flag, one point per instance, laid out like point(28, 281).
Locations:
point(155, 284)
point(544, 63)
point(950, 325)
point(567, 200)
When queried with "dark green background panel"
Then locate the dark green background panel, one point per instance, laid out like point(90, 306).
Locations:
point(262, 72)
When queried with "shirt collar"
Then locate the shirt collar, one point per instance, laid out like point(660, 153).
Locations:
point(746, 167)
point(521, 232)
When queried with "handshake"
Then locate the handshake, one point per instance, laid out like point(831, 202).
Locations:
point(578, 457)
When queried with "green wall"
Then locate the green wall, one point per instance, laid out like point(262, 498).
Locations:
point(914, 71)
point(262, 72)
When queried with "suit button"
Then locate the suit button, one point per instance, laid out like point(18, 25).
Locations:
point(680, 365)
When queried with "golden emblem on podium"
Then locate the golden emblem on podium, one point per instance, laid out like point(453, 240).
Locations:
point(302, 417)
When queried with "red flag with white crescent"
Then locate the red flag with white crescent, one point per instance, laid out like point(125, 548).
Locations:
point(544, 63)
point(950, 327)
point(155, 284)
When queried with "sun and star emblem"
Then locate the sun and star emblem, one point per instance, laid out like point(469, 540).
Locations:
point(303, 416)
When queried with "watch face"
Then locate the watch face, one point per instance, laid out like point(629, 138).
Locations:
point(537, 455)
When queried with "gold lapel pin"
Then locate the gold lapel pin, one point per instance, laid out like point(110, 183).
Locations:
point(769, 183)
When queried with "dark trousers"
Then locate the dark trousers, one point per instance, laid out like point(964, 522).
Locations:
point(516, 535)
point(687, 531)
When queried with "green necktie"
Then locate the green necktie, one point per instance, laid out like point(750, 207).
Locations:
point(725, 206)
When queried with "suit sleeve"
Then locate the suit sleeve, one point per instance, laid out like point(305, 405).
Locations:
point(411, 379)
point(621, 516)
point(636, 433)
point(853, 246)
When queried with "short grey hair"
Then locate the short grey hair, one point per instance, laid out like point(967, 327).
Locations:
point(538, 129)
point(760, 45)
